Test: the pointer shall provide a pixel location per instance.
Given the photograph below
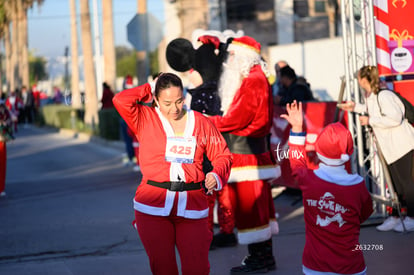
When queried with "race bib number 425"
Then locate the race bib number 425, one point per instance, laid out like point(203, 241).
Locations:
point(180, 149)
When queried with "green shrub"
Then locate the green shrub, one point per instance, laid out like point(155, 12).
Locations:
point(62, 116)
point(109, 124)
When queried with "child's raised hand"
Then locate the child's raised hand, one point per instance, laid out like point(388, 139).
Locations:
point(294, 116)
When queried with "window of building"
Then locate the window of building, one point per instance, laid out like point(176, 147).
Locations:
point(241, 10)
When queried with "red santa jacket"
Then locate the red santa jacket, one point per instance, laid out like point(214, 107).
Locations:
point(152, 130)
point(335, 204)
point(250, 115)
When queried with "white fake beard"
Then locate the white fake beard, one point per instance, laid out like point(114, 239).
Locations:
point(229, 84)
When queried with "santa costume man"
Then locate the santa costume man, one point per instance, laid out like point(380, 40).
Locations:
point(203, 60)
point(246, 102)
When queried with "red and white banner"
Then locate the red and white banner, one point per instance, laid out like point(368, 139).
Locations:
point(394, 29)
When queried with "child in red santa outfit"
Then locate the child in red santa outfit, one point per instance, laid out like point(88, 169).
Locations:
point(335, 202)
point(171, 208)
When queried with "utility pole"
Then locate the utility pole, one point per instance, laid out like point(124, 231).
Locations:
point(66, 68)
point(142, 56)
point(98, 61)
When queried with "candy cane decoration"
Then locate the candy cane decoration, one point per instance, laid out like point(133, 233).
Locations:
point(382, 37)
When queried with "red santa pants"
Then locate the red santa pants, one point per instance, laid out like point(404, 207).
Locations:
point(3, 159)
point(253, 203)
point(160, 235)
point(225, 211)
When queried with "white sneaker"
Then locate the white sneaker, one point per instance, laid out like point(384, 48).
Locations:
point(389, 224)
point(136, 168)
point(408, 223)
point(128, 163)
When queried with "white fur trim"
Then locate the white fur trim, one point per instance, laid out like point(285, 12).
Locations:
point(337, 175)
point(309, 271)
point(219, 183)
point(176, 169)
point(344, 157)
point(190, 214)
point(158, 211)
point(297, 140)
point(254, 236)
point(254, 173)
point(334, 162)
point(274, 227)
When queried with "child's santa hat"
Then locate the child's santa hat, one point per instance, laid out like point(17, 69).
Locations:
point(334, 145)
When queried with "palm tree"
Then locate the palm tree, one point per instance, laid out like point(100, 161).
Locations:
point(14, 15)
point(5, 37)
point(23, 52)
point(76, 97)
point(24, 6)
point(91, 100)
point(14, 69)
point(108, 44)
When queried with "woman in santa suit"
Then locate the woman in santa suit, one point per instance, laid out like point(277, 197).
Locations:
point(170, 204)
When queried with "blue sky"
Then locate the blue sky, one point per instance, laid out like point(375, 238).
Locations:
point(49, 24)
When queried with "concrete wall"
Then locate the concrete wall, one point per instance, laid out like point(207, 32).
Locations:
point(320, 61)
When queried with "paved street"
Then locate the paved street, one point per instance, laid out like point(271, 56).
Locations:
point(68, 210)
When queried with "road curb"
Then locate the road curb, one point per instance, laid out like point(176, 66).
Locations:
point(116, 144)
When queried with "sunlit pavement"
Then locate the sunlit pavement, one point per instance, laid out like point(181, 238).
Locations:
point(68, 210)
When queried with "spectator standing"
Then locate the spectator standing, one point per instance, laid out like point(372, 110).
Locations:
point(135, 145)
point(107, 96)
point(6, 134)
point(292, 89)
point(129, 149)
point(335, 202)
point(247, 105)
point(28, 105)
point(171, 208)
point(395, 136)
point(15, 104)
point(57, 95)
point(2, 96)
point(277, 86)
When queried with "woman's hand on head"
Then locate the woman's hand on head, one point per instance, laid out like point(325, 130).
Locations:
point(294, 116)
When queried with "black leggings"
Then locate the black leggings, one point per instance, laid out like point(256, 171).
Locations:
point(402, 178)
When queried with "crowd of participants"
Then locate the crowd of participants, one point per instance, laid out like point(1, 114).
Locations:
point(194, 156)
point(232, 74)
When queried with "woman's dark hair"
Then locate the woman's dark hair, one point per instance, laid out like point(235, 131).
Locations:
point(165, 81)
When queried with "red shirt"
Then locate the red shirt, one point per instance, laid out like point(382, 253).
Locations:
point(335, 204)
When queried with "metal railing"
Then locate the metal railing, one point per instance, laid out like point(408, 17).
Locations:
point(357, 18)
